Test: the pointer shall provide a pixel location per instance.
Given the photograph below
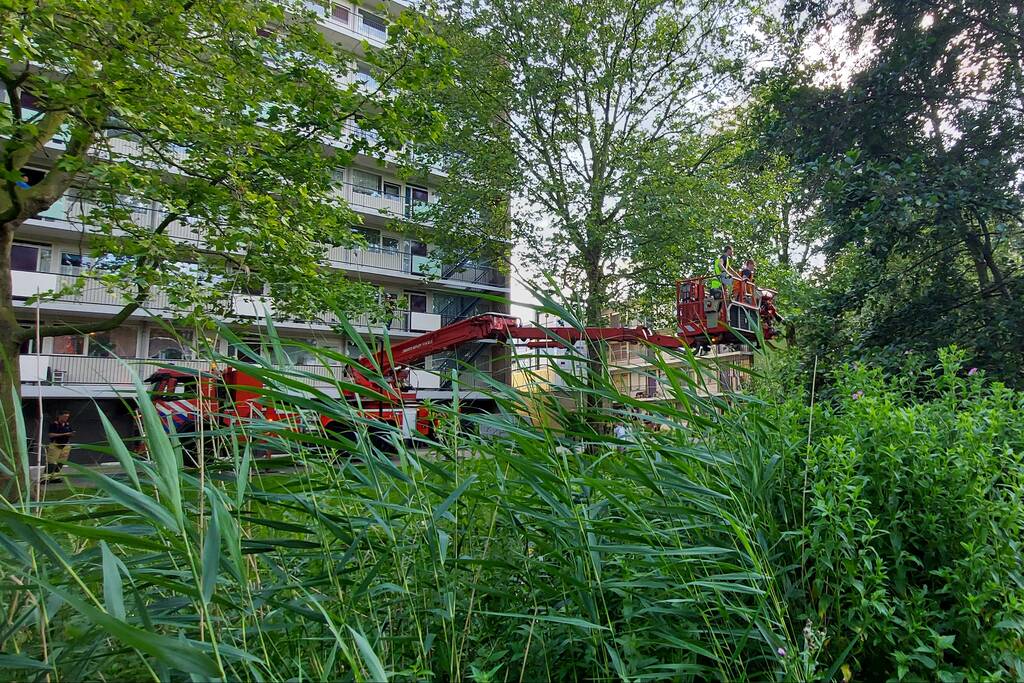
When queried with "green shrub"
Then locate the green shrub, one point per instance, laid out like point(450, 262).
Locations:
point(910, 519)
point(724, 549)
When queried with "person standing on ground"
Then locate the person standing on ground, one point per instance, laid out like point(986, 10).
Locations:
point(59, 448)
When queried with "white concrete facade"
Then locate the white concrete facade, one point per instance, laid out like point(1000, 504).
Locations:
point(53, 251)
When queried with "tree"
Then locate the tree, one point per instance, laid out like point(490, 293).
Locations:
point(717, 189)
point(226, 113)
point(575, 111)
point(913, 154)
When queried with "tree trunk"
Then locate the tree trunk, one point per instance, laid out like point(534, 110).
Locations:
point(10, 371)
point(594, 317)
point(973, 243)
point(985, 247)
point(785, 238)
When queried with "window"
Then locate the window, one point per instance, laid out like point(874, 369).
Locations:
point(298, 355)
point(373, 25)
point(32, 258)
point(339, 13)
point(119, 342)
point(30, 105)
point(164, 345)
point(417, 301)
point(371, 236)
point(392, 191)
point(69, 345)
point(419, 249)
point(417, 199)
point(389, 243)
point(252, 343)
point(365, 76)
point(366, 183)
point(72, 263)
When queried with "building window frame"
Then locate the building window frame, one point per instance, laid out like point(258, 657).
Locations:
point(365, 182)
point(44, 256)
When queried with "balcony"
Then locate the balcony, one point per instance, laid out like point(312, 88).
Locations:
point(353, 22)
point(353, 133)
point(116, 373)
point(95, 293)
point(404, 262)
point(69, 211)
point(26, 284)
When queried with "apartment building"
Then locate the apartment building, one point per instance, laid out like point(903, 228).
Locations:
point(723, 370)
point(53, 249)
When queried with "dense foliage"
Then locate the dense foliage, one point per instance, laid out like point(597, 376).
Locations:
point(906, 138)
point(744, 542)
point(232, 118)
point(907, 508)
point(603, 126)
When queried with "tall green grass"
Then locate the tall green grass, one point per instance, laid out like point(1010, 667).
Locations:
point(496, 550)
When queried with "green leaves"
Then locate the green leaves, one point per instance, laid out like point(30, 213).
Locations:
point(190, 138)
point(906, 162)
point(343, 561)
point(210, 560)
point(597, 126)
point(369, 657)
point(542, 552)
point(113, 593)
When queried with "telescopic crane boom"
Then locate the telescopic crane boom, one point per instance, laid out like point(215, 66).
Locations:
point(750, 311)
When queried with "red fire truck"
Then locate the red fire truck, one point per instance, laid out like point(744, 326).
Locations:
point(186, 398)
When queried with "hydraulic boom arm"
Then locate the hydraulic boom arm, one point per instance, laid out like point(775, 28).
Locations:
point(393, 364)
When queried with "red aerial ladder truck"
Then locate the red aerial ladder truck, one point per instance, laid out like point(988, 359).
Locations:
point(232, 395)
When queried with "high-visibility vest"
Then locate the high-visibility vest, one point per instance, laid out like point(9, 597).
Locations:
point(716, 283)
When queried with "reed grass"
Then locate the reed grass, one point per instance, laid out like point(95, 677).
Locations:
point(497, 550)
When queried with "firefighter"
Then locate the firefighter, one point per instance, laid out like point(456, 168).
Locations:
point(59, 448)
point(721, 283)
point(751, 294)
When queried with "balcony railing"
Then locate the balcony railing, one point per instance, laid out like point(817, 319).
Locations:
point(354, 132)
point(95, 292)
point(365, 29)
point(116, 373)
point(404, 261)
point(355, 23)
point(650, 384)
point(73, 209)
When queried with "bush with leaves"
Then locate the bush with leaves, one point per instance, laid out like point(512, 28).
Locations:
point(724, 549)
point(904, 497)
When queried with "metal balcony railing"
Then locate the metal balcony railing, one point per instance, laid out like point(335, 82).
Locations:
point(355, 22)
point(95, 292)
point(72, 209)
point(117, 372)
point(404, 261)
